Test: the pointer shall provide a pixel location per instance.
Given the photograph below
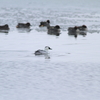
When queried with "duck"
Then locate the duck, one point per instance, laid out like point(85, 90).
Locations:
point(82, 28)
point(4, 27)
point(23, 25)
point(43, 52)
point(73, 31)
point(44, 23)
point(53, 30)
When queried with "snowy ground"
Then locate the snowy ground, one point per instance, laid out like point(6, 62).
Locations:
point(72, 70)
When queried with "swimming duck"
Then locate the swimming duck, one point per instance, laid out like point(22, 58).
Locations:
point(43, 52)
point(73, 31)
point(53, 30)
point(82, 28)
point(4, 27)
point(44, 23)
point(23, 25)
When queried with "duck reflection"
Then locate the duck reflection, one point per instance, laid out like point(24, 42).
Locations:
point(4, 31)
point(24, 30)
point(46, 56)
point(83, 33)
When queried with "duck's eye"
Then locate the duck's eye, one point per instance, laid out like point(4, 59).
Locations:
point(50, 48)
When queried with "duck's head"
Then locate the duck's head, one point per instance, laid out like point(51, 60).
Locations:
point(48, 21)
point(28, 24)
point(57, 27)
point(75, 27)
point(84, 26)
point(47, 48)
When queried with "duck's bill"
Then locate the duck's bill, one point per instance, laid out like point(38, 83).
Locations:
point(17, 26)
point(41, 25)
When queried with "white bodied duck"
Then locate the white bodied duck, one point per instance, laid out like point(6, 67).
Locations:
point(42, 52)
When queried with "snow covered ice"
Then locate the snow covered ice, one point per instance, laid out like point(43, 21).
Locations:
point(72, 69)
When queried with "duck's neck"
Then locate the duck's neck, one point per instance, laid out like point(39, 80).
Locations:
point(46, 49)
point(48, 26)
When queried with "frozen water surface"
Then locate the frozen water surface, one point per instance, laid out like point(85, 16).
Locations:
point(72, 69)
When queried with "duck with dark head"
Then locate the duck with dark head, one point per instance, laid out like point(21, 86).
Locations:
point(54, 30)
point(23, 25)
point(44, 23)
point(73, 31)
point(83, 30)
point(4, 28)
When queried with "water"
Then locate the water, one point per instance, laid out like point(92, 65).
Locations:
point(72, 69)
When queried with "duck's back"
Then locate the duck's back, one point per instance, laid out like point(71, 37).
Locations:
point(40, 52)
point(4, 27)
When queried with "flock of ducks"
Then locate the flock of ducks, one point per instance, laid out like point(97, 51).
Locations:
point(53, 30)
point(77, 30)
